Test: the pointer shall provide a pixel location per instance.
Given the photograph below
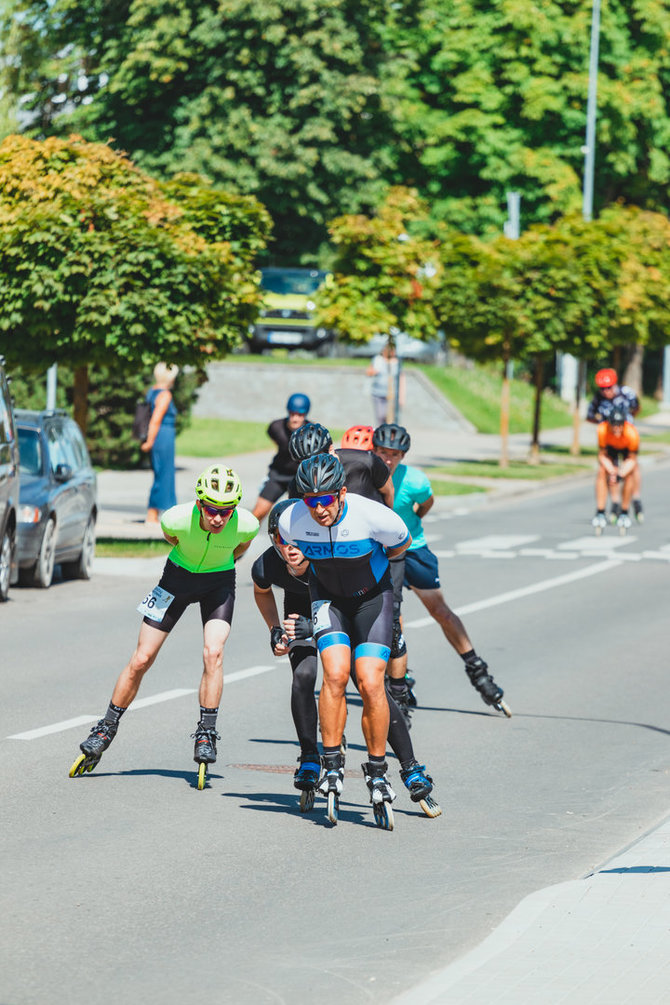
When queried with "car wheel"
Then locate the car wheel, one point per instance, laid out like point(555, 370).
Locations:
point(82, 567)
point(6, 551)
point(44, 567)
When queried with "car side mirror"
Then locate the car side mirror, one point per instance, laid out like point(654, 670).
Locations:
point(63, 473)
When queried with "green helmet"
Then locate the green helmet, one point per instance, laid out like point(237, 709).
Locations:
point(219, 486)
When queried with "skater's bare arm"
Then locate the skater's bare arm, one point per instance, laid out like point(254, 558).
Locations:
point(394, 552)
point(267, 605)
point(171, 539)
point(422, 508)
point(628, 466)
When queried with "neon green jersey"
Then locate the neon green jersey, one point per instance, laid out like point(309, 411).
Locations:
point(199, 550)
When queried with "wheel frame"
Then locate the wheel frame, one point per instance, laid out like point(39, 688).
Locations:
point(82, 567)
point(6, 553)
point(333, 810)
point(384, 815)
point(43, 576)
point(307, 800)
point(202, 775)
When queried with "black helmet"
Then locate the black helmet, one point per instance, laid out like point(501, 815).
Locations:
point(617, 417)
point(391, 436)
point(319, 473)
point(312, 438)
point(273, 517)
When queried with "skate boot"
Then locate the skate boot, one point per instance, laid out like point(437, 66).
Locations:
point(330, 783)
point(623, 523)
point(491, 693)
point(305, 778)
point(599, 523)
point(402, 700)
point(204, 750)
point(381, 793)
point(638, 511)
point(419, 784)
point(615, 510)
point(410, 680)
point(94, 746)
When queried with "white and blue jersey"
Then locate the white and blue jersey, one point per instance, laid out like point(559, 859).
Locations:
point(348, 558)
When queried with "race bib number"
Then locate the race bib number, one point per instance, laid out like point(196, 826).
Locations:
point(155, 604)
point(321, 615)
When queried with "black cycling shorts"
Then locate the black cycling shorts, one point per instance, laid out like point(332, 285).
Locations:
point(365, 624)
point(214, 591)
point(274, 486)
point(614, 454)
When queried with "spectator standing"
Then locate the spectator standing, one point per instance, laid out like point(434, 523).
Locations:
point(385, 370)
point(160, 442)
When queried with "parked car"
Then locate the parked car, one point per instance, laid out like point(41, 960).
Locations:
point(9, 488)
point(406, 348)
point(286, 317)
point(58, 498)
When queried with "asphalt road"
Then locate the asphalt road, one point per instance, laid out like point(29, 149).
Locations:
point(130, 885)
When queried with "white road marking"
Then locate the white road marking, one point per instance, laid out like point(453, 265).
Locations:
point(154, 699)
point(663, 555)
point(524, 591)
point(495, 542)
point(596, 544)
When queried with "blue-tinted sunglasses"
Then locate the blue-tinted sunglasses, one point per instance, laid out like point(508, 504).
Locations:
point(325, 500)
point(217, 510)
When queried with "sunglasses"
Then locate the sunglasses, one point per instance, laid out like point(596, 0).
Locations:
point(217, 510)
point(314, 501)
point(279, 539)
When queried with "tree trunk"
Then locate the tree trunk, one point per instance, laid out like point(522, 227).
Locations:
point(534, 457)
point(633, 373)
point(80, 397)
point(504, 412)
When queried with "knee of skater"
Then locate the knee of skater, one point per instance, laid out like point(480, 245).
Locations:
point(212, 657)
point(336, 680)
point(141, 662)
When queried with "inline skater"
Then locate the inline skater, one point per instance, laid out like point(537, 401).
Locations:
point(207, 537)
point(285, 567)
point(413, 499)
point(348, 540)
point(282, 466)
point(365, 474)
point(609, 397)
point(618, 446)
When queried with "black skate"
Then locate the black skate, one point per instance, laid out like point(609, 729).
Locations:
point(419, 784)
point(638, 511)
point(404, 703)
point(305, 779)
point(381, 793)
point(204, 750)
point(94, 746)
point(491, 693)
point(331, 782)
point(410, 680)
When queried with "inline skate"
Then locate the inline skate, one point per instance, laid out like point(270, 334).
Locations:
point(94, 746)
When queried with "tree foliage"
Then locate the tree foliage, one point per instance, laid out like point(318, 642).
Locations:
point(99, 262)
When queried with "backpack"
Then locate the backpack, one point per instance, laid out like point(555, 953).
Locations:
point(143, 410)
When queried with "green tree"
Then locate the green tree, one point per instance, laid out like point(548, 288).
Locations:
point(97, 263)
point(280, 100)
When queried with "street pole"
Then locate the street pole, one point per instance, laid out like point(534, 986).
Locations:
point(589, 151)
point(511, 229)
point(52, 383)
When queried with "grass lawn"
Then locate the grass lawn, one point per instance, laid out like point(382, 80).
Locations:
point(227, 437)
point(112, 547)
point(516, 469)
point(442, 487)
point(476, 393)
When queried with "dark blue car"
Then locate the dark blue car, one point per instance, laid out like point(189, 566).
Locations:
point(58, 498)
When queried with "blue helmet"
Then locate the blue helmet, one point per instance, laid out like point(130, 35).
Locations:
point(298, 403)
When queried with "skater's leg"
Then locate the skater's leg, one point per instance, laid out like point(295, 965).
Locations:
point(451, 625)
point(215, 635)
point(370, 671)
point(303, 661)
point(336, 662)
point(601, 489)
point(148, 645)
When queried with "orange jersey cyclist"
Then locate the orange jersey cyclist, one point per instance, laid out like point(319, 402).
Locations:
point(618, 446)
point(348, 541)
point(207, 536)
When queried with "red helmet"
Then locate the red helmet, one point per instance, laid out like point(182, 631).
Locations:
point(606, 378)
point(358, 438)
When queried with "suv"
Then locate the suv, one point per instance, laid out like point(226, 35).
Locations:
point(58, 500)
point(287, 315)
point(9, 488)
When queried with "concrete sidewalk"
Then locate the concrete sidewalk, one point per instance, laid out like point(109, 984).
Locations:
point(602, 939)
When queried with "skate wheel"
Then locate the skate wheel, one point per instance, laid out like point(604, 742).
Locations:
point(599, 531)
point(504, 707)
point(202, 775)
point(430, 807)
point(622, 531)
point(307, 800)
point(78, 768)
point(333, 810)
point(383, 815)
point(343, 745)
point(411, 699)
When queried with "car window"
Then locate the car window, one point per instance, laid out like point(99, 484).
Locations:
point(78, 445)
point(59, 453)
point(30, 452)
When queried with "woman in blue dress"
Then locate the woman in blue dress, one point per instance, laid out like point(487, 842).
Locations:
point(161, 441)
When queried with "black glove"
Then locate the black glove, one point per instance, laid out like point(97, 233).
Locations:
point(304, 628)
point(276, 636)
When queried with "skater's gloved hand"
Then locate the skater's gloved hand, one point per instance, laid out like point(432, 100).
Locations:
point(278, 641)
point(298, 627)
